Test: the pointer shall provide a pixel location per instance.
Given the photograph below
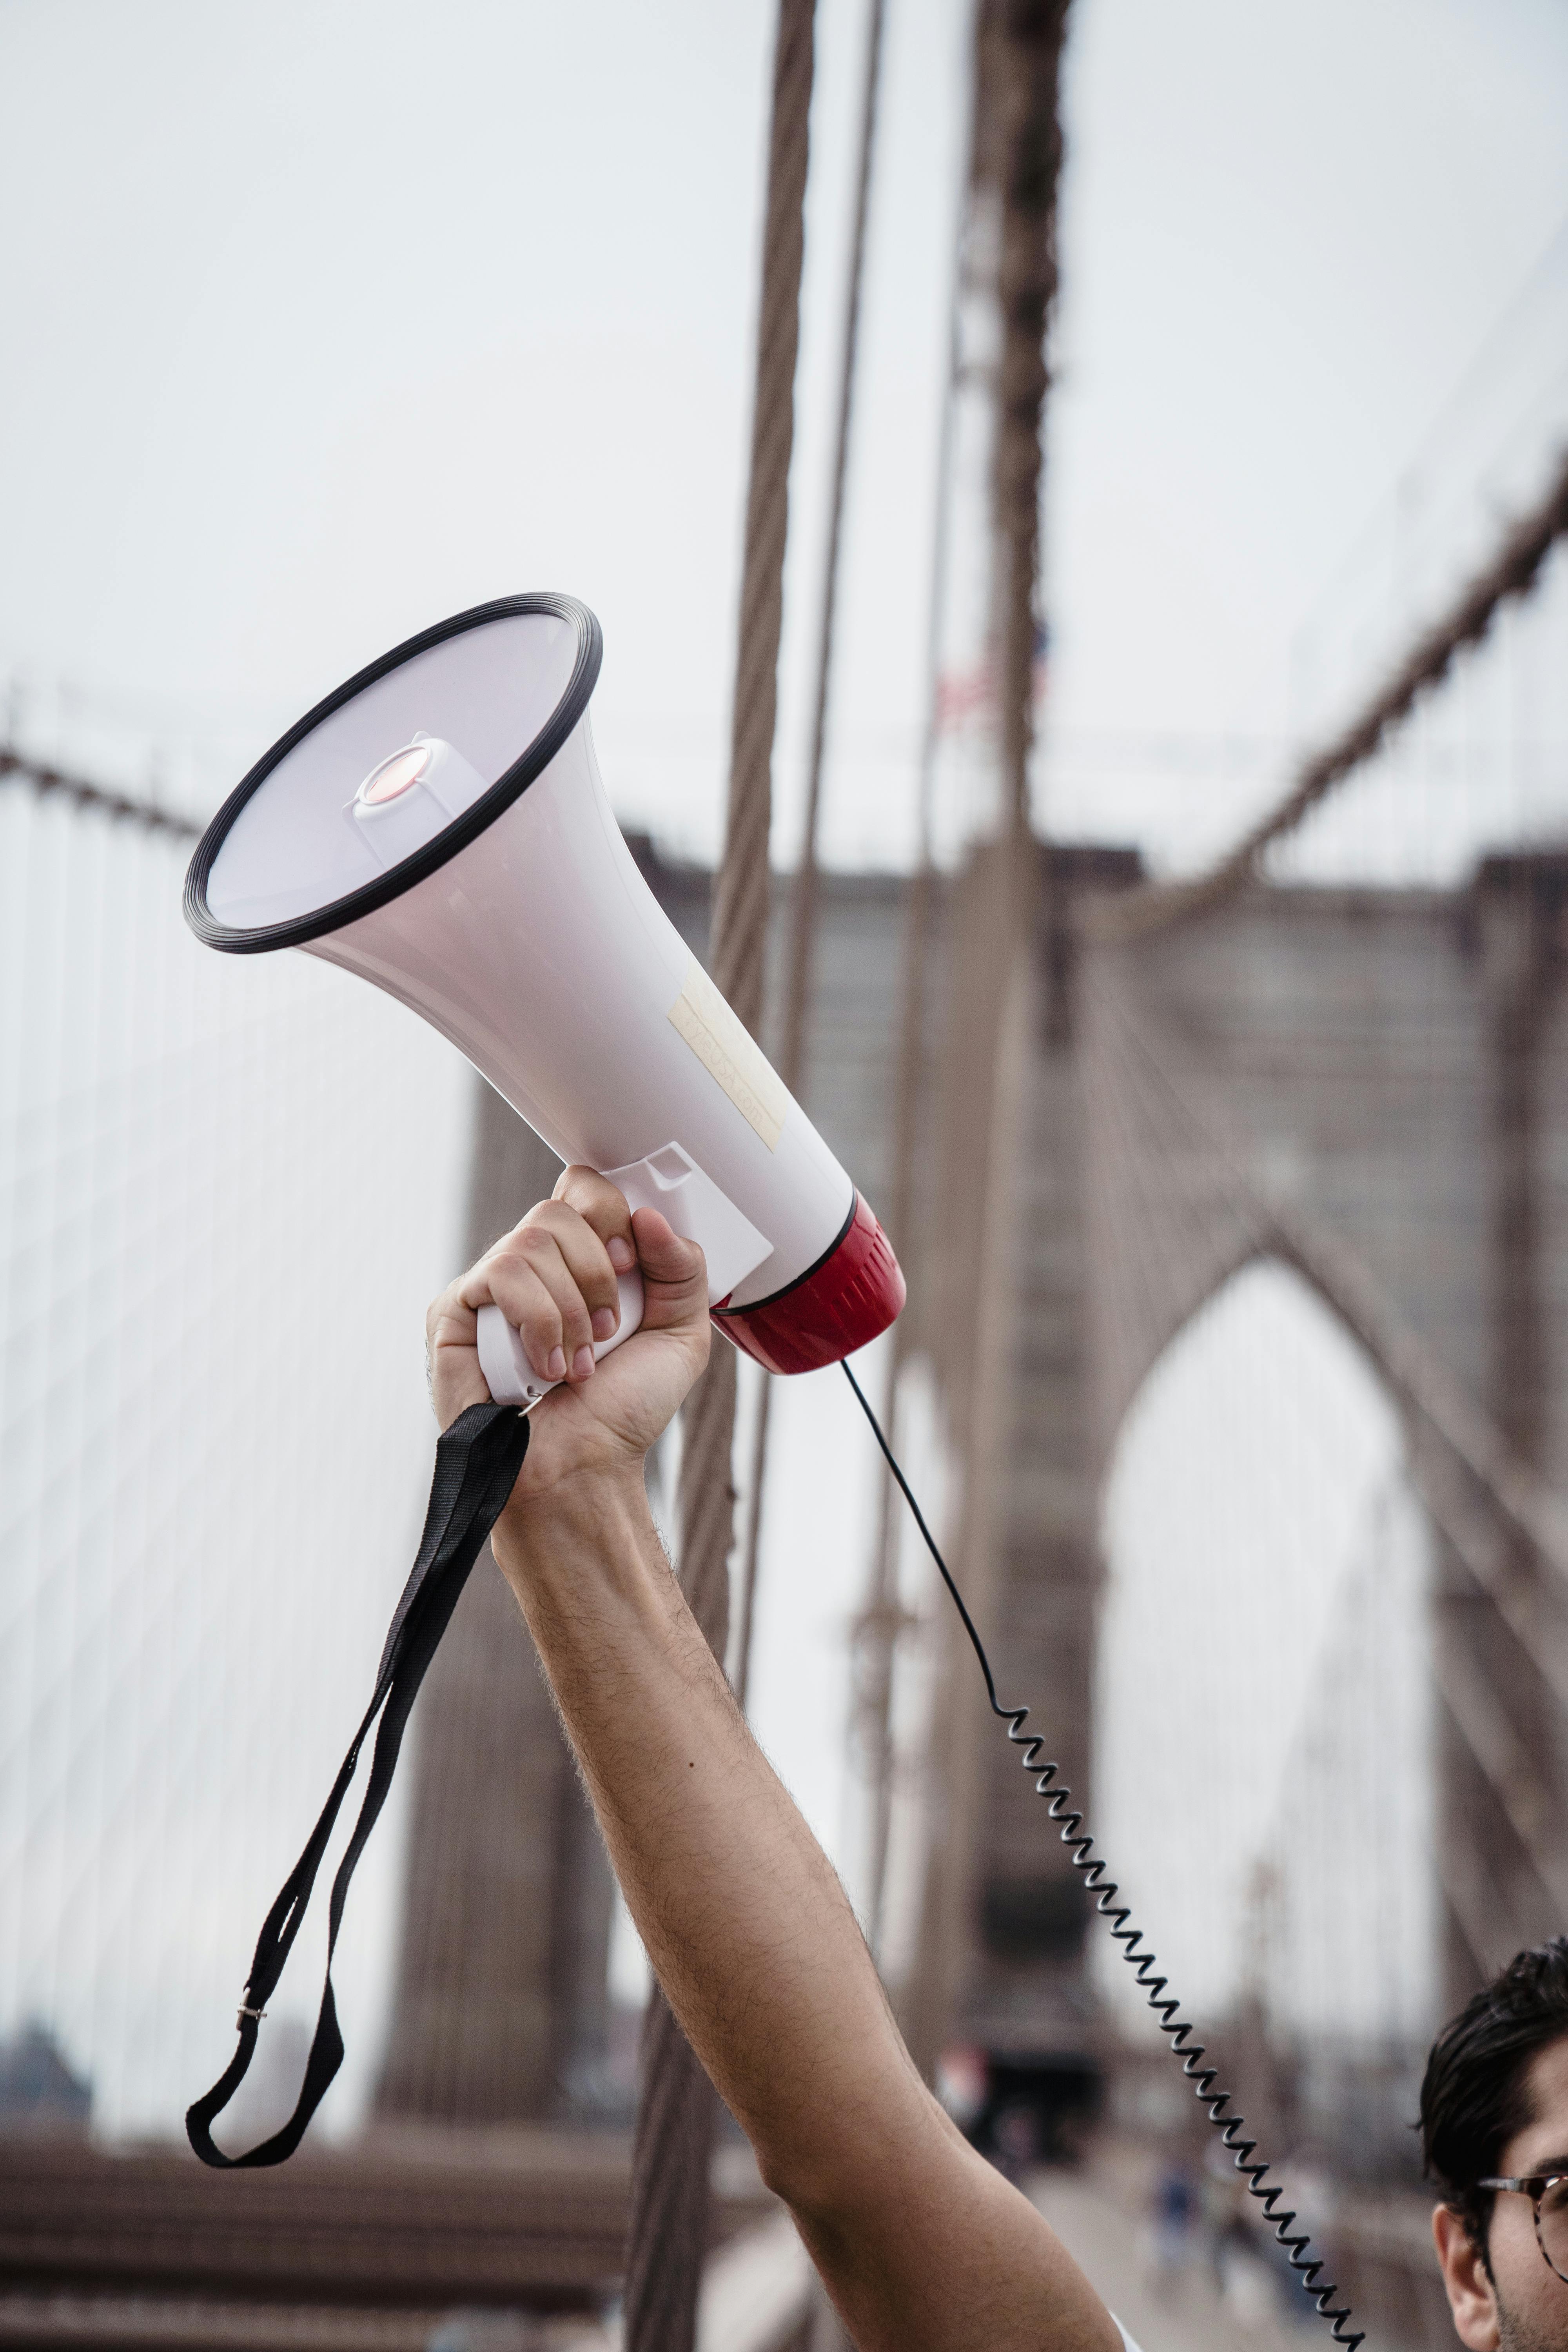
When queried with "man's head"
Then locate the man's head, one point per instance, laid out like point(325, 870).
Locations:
point(1494, 2104)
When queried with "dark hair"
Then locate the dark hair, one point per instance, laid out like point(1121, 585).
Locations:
point(1473, 2098)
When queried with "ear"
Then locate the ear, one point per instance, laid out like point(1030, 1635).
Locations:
point(1471, 2296)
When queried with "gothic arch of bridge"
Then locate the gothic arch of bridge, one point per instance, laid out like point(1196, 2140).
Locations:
point(1305, 1073)
point(1264, 1647)
point(1370, 1085)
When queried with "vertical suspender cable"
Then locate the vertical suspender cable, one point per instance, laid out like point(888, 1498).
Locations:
point(1024, 81)
point(1018, 145)
point(876, 1629)
point(803, 904)
point(669, 2228)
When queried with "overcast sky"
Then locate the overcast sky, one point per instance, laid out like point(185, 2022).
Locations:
point(327, 320)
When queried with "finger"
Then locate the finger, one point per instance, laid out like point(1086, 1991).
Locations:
point(535, 1248)
point(586, 1259)
point(451, 1356)
point(674, 1272)
point(506, 1278)
point(599, 1204)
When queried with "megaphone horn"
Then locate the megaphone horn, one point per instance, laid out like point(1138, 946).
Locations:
point(438, 825)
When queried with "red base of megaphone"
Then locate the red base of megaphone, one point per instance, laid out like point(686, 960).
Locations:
point(846, 1300)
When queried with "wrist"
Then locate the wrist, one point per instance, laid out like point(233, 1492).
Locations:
point(598, 1516)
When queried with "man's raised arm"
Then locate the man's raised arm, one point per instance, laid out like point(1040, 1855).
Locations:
point(921, 2243)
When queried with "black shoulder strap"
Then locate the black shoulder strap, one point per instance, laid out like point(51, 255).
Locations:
point(477, 1463)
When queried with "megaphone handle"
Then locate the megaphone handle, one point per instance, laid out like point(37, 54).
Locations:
point(512, 1379)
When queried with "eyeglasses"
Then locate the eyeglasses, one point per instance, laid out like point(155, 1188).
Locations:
point(1548, 2192)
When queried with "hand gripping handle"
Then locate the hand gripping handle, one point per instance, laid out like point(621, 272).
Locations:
point(512, 1379)
point(670, 1181)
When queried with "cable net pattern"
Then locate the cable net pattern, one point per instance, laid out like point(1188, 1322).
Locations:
point(227, 1187)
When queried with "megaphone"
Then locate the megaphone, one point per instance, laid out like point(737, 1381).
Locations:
point(438, 825)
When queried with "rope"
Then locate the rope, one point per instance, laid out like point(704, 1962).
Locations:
point(1021, 64)
point(804, 902)
point(1504, 1761)
point(1512, 572)
point(740, 896)
point(45, 780)
point(803, 899)
point(1018, 151)
point(676, 2112)
point(1474, 1535)
point(879, 1624)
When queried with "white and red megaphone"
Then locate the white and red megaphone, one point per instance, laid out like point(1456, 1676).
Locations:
point(439, 826)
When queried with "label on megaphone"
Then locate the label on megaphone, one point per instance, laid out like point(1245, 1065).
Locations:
point(670, 1181)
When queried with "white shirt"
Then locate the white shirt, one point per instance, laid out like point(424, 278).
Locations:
point(1125, 2338)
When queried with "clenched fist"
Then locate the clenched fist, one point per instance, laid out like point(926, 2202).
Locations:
point(554, 1277)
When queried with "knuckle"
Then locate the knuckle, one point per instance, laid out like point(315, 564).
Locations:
point(523, 1299)
point(574, 1318)
point(541, 1324)
point(596, 1278)
point(592, 1197)
point(442, 1309)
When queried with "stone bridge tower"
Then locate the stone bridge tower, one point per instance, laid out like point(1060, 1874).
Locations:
point(1373, 1086)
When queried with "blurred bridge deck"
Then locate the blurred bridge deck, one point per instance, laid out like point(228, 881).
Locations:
point(370, 2249)
point(1380, 2254)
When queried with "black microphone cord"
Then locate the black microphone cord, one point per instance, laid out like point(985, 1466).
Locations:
point(1059, 1799)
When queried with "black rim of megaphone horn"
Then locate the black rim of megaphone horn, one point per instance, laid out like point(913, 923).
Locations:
point(533, 760)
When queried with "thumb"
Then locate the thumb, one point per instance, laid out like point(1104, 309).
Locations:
point(674, 1272)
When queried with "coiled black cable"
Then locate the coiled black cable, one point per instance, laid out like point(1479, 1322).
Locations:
point(1166, 2008)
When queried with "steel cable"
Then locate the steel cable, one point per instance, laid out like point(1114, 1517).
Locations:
point(741, 894)
point(802, 901)
point(131, 807)
point(1512, 572)
point(677, 2107)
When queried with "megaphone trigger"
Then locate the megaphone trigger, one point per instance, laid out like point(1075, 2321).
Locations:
point(670, 1181)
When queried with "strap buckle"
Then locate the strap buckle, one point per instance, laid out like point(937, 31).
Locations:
point(244, 2012)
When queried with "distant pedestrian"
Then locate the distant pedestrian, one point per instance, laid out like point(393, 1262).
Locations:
point(1172, 2218)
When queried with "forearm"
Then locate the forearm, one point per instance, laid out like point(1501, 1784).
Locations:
point(744, 1919)
point(926, 2249)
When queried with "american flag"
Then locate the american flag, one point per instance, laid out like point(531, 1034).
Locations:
point(963, 695)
